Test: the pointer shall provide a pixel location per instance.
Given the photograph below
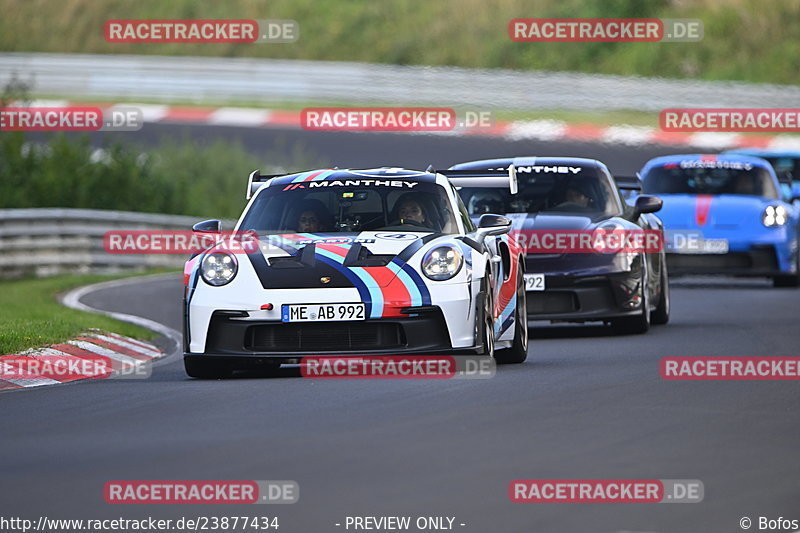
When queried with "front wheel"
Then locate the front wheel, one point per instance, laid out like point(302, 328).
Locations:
point(485, 326)
point(788, 280)
point(639, 323)
point(518, 351)
point(661, 314)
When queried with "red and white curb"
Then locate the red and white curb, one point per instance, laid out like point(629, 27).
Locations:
point(116, 351)
point(541, 130)
point(109, 350)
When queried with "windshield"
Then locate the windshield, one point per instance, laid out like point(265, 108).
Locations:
point(586, 194)
point(341, 209)
point(710, 177)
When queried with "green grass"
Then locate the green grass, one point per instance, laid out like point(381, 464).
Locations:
point(599, 118)
point(751, 40)
point(31, 315)
point(181, 176)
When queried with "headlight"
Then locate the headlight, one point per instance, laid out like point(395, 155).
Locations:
point(442, 263)
point(218, 268)
point(774, 215)
point(608, 238)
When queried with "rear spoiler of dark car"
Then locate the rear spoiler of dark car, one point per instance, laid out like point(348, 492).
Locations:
point(629, 183)
point(482, 178)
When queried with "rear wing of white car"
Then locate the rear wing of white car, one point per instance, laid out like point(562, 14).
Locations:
point(459, 178)
point(483, 178)
point(258, 180)
point(629, 183)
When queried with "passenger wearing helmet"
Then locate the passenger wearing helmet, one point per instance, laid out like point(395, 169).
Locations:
point(311, 216)
point(486, 202)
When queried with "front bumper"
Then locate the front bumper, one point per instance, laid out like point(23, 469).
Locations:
point(585, 300)
point(758, 261)
point(420, 333)
point(606, 289)
point(453, 322)
point(763, 253)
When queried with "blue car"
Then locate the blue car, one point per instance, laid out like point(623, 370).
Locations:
point(786, 164)
point(725, 214)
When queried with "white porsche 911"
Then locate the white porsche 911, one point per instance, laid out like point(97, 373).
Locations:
point(355, 262)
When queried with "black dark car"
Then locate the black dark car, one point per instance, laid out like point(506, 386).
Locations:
point(625, 287)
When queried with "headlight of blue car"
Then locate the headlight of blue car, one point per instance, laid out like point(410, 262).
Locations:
point(774, 215)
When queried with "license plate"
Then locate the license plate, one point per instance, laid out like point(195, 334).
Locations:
point(704, 246)
point(534, 282)
point(322, 312)
point(715, 246)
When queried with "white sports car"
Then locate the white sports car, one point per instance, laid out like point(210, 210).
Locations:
point(360, 262)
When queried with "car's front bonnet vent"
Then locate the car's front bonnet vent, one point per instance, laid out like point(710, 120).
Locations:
point(357, 256)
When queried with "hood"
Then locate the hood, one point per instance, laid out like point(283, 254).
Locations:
point(302, 260)
point(550, 221)
point(698, 211)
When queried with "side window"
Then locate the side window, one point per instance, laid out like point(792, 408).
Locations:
point(612, 194)
point(464, 214)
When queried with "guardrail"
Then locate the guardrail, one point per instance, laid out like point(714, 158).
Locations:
point(184, 79)
point(49, 241)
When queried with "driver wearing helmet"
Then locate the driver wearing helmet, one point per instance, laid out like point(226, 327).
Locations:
point(578, 192)
point(410, 209)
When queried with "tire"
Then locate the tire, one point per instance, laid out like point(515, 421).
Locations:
point(660, 316)
point(209, 369)
point(518, 351)
point(786, 281)
point(486, 331)
point(789, 280)
point(640, 323)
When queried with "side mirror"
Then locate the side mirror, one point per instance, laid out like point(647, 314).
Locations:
point(647, 204)
point(490, 224)
point(207, 226)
